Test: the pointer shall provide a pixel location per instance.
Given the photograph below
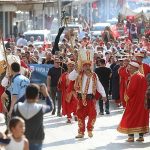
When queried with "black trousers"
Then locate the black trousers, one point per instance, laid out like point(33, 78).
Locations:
point(54, 92)
point(140, 135)
point(101, 104)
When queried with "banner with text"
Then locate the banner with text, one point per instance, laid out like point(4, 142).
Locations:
point(39, 72)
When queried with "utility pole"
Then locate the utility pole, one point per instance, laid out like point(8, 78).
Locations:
point(59, 13)
point(43, 16)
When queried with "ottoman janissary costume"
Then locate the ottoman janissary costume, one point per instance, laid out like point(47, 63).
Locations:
point(87, 87)
point(136, 117)
point(69, 101)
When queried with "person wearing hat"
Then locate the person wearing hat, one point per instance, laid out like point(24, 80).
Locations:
point(135, 118)
point(123, 74)
point(116, 82)
point(87, 87)
point(69, 102)
point(144, 68)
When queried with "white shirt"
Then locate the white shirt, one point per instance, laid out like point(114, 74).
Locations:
point(73, 75)
point(21, 42)
point(28, 110)
point(13, 145)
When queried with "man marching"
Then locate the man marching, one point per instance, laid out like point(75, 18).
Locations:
point(124, 74)
point(136, 117)
point(144, 68)
point(87, 85)
point(69, 102)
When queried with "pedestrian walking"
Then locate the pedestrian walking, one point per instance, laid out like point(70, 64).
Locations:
point(136, 117)
point(54, 74)
point(86, 85)
point(32, 113)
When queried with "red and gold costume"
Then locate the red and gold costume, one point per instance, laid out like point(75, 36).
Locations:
point(69, 101)
point(85, 86)
point(144, 69)
point(135, 118)
point(124, 75)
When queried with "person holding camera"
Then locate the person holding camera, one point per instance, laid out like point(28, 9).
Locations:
point(32, 112)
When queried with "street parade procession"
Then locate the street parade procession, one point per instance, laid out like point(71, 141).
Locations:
point(79, 78)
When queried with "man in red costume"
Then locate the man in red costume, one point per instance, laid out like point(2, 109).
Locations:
point(86, 85)
point(124, 74)
point(69, 102)
point(135, 118)
point(144, 68)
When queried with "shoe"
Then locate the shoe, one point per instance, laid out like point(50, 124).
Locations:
point(118, 105)
point(80, 135)
point(107, 112)
point(140, 139)
point(53, 112)
point(75, 118)
point(90, 134)
point(59, 115)
point(101, 113)
point(69, 120)
point(130, 139)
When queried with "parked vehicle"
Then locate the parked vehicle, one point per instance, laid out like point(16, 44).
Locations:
point(97, 29)
point(45, 35)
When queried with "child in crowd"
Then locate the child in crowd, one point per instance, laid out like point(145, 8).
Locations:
point(17, 138)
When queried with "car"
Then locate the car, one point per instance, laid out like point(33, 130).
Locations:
point(44, 34)
point(112, 21)
point(98, 28)
point(38, 43)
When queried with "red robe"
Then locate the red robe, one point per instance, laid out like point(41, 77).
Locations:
point(124, 74)
point(145, 69)
point(135, 118)
point(69, 101)
point(2, 89)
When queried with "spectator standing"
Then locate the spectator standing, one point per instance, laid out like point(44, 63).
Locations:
point(21, 41)
point(18, 85)
point(15, 29)
point(48, 59)
point(54, 74)
point(104, 75)
point(7, 45)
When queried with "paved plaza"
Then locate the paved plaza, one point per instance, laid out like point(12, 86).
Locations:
point(61, 136)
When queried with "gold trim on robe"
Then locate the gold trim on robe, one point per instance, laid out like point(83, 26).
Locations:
point(133, 130)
